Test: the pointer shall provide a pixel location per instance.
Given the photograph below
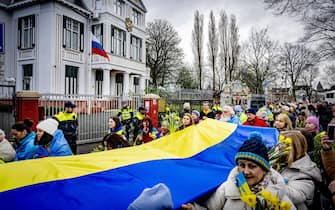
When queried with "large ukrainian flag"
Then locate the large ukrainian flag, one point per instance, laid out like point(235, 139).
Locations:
point(191, 163)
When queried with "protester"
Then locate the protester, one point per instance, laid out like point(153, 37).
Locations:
point(228, 115)
point(240, 113)
point(195, 116)
point(24, 140)
point(252, 163)
point(186, 121)
point(297, 168)
point(164, 130)
point(114, 141)
point(206, 112)
point(147, 133)
point(301, 120)
point(186, 109)
point(283, 122)
point(68, 123)
point(253, 120)
point(115, 126)
point(51, 140)
point(7, 152)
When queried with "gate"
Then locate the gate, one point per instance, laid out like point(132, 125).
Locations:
point(7, 107)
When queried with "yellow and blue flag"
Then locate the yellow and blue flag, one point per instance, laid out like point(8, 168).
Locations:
point(191, 163)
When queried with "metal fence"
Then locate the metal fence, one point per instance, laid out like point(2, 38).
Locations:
point(7, 107)
point(93, 112)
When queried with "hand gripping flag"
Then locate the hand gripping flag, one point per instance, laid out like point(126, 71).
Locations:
point(191, 163)
point(97, 47)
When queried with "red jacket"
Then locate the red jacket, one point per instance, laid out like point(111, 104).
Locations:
point(256, 122)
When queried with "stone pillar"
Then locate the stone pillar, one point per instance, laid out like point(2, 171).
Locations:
point(26, 106)
point(106, 82)
point(142, 84)
point(112, 83)
point(126, 84)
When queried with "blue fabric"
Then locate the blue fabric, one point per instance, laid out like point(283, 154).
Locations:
point(187, 179)
point(25, 149)
point(116, 130)
point(234, 119)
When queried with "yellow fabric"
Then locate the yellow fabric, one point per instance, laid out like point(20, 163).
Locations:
point(243, 117)
point(64, 116)
point(125, 114)
point(139, 116)
point(182, 144)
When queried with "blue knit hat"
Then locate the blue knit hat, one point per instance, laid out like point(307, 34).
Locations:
point(156, 198)
point(252, 111)
point(254, 150)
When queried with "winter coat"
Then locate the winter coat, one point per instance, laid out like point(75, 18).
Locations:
point(300, 178)
point(228, 197)
point(7, 152)
point(58, 147)
point(256, 122)
point(25, 148)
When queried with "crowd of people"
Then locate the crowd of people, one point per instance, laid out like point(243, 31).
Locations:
point(299, 167)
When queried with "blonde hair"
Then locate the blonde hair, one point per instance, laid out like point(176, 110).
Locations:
point(287, 120)
point(299, 145)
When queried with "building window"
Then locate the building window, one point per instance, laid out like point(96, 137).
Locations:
point(135, 48)
point(118, 42)
point(119, 84)
point(26, 32)
point(136, 85)
point(27, 76)
point(99, 78)
point(118, 7)
point(330, 95)
point(97, 30)
point(73, 34)
point(136, 17)
point(71, 80)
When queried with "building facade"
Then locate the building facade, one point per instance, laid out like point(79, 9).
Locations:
point(47, 46)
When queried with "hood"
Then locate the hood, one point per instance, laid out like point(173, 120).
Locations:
point(307, 166)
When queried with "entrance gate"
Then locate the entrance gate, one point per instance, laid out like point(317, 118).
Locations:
point(7, 107)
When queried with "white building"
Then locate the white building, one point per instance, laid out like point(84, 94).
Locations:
point(47, 44)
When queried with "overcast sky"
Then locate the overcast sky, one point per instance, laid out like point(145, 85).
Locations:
point(249, 13)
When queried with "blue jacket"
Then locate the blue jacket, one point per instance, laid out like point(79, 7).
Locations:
point(25, 149)
point(234, 119)
point(58, 147)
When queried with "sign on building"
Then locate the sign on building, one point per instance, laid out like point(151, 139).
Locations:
point(2, 37)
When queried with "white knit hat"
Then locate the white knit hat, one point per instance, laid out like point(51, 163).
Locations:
point(49, 125)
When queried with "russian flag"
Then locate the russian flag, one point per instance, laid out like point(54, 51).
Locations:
point(97, 48)
point(191, 163)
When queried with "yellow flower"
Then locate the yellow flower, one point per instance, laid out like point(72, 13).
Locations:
point(288, 141)
point(274, 200)
point(288, 148)
point(285, 206)
point(281, 138)
point(167, 109)
point(266, 195)
point(250, 200)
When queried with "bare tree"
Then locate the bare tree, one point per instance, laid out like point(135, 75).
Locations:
point(328, 76)
point(164, 56)
point(197, 41)
point(224, 49)
point(308, 77)
point(258, 60)
point(212, 46)
point(318, 17)
point(296, 60)
point(234, 47)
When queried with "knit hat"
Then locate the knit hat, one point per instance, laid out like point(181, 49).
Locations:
point(252, 111)
point(315, 121)
point(49, 126)
point(238, 108)
point(196, 113)
point(156, 198)
point(254, 150)
point(69, 104)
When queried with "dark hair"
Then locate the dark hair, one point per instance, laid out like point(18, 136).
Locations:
point(147, 119)
point(25, 125)
point(45, 139)
point(117, 121)
point(115, 141)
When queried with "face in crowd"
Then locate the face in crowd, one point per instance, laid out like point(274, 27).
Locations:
point(111, 123)
point(205, 106)
point(187, 120)
point(250, 117)
point(252, 172)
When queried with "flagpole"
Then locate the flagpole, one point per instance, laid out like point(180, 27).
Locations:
point(90, 69)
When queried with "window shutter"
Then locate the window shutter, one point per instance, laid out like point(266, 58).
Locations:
point(102, 33)
point(33, 28)
point(64, 31)
point(81, 37)
point(93, 29)
point(112, 40)
point(19, 33)
point(124, 43)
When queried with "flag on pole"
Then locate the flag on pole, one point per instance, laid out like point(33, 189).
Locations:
point(97, 47)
